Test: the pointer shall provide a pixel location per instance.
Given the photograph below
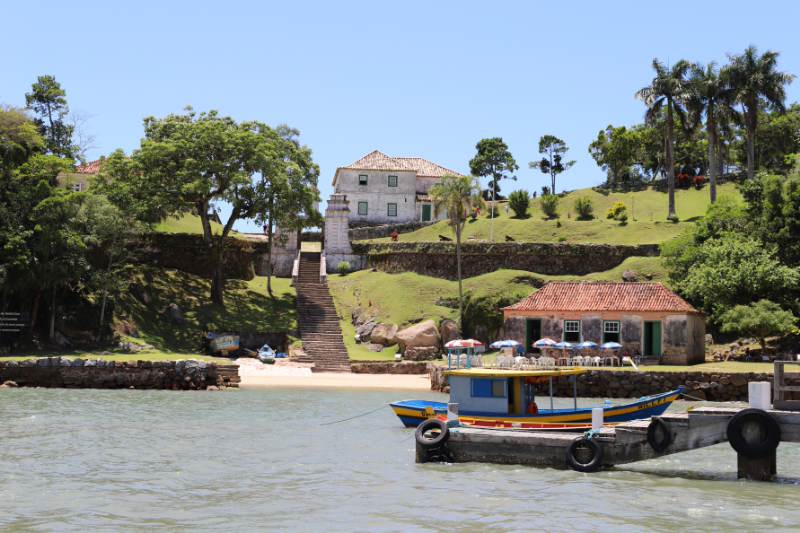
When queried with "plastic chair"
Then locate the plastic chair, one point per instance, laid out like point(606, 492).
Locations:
point(596, 361)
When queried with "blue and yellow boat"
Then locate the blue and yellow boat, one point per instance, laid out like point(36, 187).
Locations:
point(495, 398)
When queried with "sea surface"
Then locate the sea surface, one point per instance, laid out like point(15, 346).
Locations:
point(258, 460)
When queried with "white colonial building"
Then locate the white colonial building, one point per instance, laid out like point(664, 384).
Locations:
point(381, 189)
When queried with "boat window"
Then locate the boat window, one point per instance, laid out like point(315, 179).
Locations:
point(572, 330)
point(488, 388)
point(611, 331)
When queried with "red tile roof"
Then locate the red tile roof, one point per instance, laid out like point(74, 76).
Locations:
point(92, 167)
point(603, 296)
point(377, 160)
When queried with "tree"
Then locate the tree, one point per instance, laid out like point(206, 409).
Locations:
point(614, 150)
point(48, 101)
point(493, 160)
point(458, 196)
point(287, 185)
point(761, 320)
point(193, 162)
point(667, 90)
point(757, 83)
point(554, 150)
point(711, 96)
point(111, 232)
point(549, 204)
point(19, 139)
point(519, 202)
point(778, 137)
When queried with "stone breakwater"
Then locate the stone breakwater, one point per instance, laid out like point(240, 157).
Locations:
point(101, 374)
point(381, 367)
point(716, 387)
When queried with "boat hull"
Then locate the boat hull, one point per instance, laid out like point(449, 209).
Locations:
point(412, 412)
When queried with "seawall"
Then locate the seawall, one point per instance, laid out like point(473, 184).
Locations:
point(100, 374)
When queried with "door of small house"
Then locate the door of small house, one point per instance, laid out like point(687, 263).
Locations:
point(533, 332)
point(652, 339)
point(426, 212)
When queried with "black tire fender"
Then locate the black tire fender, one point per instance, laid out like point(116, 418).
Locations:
point(594, 464)
point(768, 429)
point(427, 441)
point(659, 437)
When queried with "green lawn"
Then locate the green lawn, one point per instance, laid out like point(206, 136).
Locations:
point(247, 308)
point(647, 213)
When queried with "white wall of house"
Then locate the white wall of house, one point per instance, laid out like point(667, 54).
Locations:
point(378, 195)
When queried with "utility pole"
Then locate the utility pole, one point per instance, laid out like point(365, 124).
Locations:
point(491, 210)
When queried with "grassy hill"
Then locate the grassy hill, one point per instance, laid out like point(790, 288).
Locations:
point(407, 298)
point(246, 308)
point(190, 223)
point(647, 224)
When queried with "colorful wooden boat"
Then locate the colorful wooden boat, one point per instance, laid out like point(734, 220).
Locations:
point(494, 398)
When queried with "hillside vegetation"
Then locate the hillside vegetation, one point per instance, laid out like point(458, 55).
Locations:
point(247, 308)
point(647, 224)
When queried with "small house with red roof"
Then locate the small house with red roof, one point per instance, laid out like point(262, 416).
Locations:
point(646, 318)
point(81, 178)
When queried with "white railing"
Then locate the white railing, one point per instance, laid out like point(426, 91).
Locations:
point(296, 268)
point(323, 268)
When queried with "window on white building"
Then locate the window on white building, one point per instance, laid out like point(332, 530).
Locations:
point(363, 209)
point(362, 179)
point(391, 210)
point(572, 330)
point(76, 187)
point(392, 181)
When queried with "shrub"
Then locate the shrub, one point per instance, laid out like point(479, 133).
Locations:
point(618, 212)
point(584, 207)
point(518, 201)
point(343, 267)
point(549, 203)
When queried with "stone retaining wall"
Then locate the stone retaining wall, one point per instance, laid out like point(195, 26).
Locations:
point(718, 387)
point(189, 253)
point(437, 259)
point(389, 367)
point(101, 374)
point(383, 230)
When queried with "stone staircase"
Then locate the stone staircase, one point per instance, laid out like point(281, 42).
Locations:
point(317, 319)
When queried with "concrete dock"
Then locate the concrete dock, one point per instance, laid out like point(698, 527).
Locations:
point(627, 442)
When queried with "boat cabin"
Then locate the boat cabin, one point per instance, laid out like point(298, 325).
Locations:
point(487, 392)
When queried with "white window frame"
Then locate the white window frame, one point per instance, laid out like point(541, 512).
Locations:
point(389, 181)
point(389, 209)
point(607, 323)
point(76, 187)
point(366, 179)
point(366, 208)
point(565, 330)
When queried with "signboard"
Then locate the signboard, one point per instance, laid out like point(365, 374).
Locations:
point(12, 322)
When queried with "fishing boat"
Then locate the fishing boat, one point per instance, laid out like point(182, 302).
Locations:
point(500, 398)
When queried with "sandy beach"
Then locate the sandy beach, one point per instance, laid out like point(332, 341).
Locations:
point(256, 374)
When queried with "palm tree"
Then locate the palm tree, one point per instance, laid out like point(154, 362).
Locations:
point(457, 196)
point(711, 95)
point(668, 89)
point(757, 81)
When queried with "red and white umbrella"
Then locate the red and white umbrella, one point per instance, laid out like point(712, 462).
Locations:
point(464, 343)
point(546, 342)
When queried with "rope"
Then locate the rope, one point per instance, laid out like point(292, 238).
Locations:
point(693, 397)
point(354, 417)
point(591, 433)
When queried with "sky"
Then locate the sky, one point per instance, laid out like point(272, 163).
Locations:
point(427, 79)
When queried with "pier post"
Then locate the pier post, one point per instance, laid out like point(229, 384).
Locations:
point(597, 418)
point(761, 469)
point(452, 411)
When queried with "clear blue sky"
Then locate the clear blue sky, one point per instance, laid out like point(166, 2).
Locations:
point(408, 78)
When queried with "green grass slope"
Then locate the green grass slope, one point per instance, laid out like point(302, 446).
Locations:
point(247, 308)
point(647, 224)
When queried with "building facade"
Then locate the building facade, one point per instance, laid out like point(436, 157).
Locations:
point(646, 318)
point(81, 179)
point(381, 189)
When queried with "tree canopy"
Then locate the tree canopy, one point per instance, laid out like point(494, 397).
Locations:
point(493, 160)
point(553, 163)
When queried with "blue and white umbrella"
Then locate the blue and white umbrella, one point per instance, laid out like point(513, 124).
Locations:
point(611, 346)
point(544, 343)
point(586, 345)
point(563, 345)
point(508, 343)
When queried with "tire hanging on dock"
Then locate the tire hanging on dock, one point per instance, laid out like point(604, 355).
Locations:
point(754, 433)
point(576, 452)
point(659, 437)
point(432, 435)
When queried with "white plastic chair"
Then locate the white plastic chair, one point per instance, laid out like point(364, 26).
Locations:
point(596, 361)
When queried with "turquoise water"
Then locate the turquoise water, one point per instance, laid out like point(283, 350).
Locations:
point(79, 460)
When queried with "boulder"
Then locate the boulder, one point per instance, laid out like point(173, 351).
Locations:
point(364, 330)
point(8, 384)
point(709, 340)
point(422, 334)
point(449, 330)
point(175, 314)
point(421, 353)
point(630, 276)
point(372, 347)
point(384, 334)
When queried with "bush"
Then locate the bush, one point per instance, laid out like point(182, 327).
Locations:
point(618, 212)
point(519, 201)
point(343, 267)
point(584, 207)
point(549, 203)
